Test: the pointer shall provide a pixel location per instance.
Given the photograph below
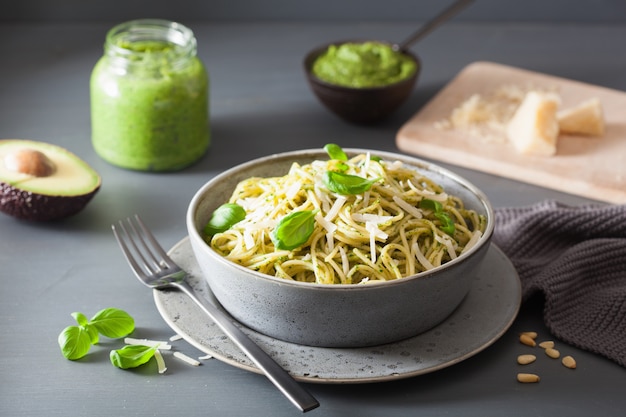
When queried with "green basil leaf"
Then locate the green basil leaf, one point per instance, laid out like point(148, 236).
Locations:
point(92, 331)
point(74, 342)
point(132, 356)
point(80, 318)
point(294, 230)
point(335, 152)
point(223, 218)
point(113, 323)
point(376, 158)
point(447, 225)
point(346, 184)
point(428, 204)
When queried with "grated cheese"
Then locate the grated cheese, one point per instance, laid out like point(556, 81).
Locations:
point(189, 360)
point(293, 190)
point(344, 261)
point(366, 198)
point(160, 362)
point(420, 257)
point(472, 242)
point(413, 211)
point(330, 241)
point(330, 227)
point(441, 197)
point(448, 244)
point(145, 342)
point(248, 239)
point(334, 210)
point(374, 232)
point(371, 218)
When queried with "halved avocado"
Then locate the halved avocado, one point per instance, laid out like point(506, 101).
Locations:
point(40, 181)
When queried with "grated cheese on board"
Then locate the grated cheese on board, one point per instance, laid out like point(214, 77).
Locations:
point(487, 117)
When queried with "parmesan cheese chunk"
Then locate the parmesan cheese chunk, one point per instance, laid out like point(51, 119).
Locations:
point(533, 129)
point(585, 119)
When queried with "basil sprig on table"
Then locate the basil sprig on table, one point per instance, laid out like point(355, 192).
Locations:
point(346, 184)
point(75, 341)
point(447, 224)
point(294, 230)
point(223, 218)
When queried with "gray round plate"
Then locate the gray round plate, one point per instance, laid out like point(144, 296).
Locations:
point(484, 315)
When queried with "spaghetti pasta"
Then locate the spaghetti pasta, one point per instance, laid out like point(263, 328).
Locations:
point(378, 230)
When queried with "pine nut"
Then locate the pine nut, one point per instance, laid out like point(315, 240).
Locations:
point(553, 353)
point(528, 378)
point(527, 340)
point(569, 362)
point(532, 335)
point(548, 344)
point(526, 359)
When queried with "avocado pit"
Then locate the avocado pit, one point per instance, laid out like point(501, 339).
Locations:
point(30, 162)
point(40, 181)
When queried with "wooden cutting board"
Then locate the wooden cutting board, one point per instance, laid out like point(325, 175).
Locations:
point(593, 167)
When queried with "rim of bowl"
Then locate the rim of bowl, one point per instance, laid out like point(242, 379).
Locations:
point(310, 57)
point(313, 153)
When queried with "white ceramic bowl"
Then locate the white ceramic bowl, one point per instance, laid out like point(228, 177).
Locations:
point(335, 315)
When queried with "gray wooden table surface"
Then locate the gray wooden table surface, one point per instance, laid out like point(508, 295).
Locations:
point(260, 104)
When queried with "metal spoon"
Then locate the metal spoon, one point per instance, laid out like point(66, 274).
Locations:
point(432, 24)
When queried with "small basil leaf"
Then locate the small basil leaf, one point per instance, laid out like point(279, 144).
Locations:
point(80, 318)
point(335, 152)
point(132, 356)
point(376, 158)
point(428, 204)
point(294, 230)
point(74, 342)
point(346, 184)
point(113, 323)
point(223, 218)
point(447, 225)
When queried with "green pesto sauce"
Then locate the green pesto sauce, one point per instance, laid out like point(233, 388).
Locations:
point(152, 116)
point(362, 65)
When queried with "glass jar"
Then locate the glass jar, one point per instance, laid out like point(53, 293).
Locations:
point(149, 97)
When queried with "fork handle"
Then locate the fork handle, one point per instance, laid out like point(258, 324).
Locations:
point(300, 397)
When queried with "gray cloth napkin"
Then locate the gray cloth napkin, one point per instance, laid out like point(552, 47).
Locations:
point(576, 257)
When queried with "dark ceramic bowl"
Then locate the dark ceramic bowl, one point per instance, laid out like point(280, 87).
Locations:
point(359, 105)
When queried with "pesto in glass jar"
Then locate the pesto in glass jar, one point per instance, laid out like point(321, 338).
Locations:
point(149, 97)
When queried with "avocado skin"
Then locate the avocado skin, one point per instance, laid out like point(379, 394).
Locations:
point(30, 206)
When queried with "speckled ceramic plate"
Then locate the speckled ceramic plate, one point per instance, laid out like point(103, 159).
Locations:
point(484, 315)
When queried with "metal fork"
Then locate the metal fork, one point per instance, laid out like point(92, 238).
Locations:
point(155, 269)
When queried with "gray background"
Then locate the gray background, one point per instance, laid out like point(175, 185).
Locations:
point(599, 11)
point(260, 104)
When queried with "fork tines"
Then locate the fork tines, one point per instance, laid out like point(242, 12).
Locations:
point(135, 235)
